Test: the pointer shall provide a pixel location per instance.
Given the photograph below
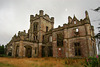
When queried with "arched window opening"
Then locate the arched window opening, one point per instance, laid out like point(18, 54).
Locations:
point(17, 51)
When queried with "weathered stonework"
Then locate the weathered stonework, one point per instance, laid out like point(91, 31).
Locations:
point(75, 39)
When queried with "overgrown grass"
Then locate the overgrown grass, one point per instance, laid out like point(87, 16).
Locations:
point(6, 65)
point(41, 62)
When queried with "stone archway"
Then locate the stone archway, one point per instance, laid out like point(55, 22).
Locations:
point(17, 51)
point(47, 51)
point(28, 52)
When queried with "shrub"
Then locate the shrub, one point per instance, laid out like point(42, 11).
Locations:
point(92, 61)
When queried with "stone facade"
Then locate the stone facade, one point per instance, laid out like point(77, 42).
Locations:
point(75, 39)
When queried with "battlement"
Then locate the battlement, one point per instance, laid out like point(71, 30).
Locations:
point(41, 14)
point(22, 33)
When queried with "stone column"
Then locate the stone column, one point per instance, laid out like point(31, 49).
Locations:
point(54, 49)
point(13, 50)
point(54, 45)
point(20, 49)
point(65, 42)
point(24, 51)
point(40, 49)
point(65, 48)
point(33, 51)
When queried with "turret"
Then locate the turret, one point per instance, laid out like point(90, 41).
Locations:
point(52, 19)
point(47, 16)
point(19, 33)
point(31, 17)
point(24, 31)
point(86, 15)
point(74, 18)
point(69, 19)
point(41, 12)
point(36, 15)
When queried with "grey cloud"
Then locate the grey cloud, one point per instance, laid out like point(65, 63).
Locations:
point(14, 14)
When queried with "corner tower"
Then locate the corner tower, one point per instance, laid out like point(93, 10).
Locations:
point(39, 25)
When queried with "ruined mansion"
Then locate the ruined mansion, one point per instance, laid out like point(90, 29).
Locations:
point(75, 39)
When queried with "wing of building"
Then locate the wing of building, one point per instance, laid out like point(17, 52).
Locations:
point(75, 39)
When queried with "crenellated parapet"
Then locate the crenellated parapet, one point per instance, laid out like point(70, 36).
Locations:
point(41, 14)
point(22, 35)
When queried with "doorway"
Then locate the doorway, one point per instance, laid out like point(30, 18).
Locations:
point(28, 51)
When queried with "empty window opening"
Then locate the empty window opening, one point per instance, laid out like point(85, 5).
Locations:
point(46, 29)
point(50, 39)
point(60, 40)
point(74, 22)
point(35, 26)
point(77, 30)
point(36, 37)
point(35, 50)
point(43, 37)
point(77, 49)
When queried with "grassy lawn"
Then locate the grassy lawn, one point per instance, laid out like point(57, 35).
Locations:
point(40, 62)
point(6, 65)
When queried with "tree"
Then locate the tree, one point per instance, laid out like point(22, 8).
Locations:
point(1, 49)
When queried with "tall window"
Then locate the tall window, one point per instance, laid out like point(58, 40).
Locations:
point(17, 51)
point(35, 37)
point(77, 49)
point(46, 29)
point(50, 39)
point(35, 50)
point(43, 37)
point(74, 22)
point(60, 40)
point(35, 26)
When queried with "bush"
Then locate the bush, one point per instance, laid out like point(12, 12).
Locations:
point(92, 62)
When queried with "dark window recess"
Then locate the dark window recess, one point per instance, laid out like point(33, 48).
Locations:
point(36, 37)
point(60, 40)
point(46, 29)
point(17, 51)
point(35, 50)
point(77, 49)
point(35, 26)
point(43, 37)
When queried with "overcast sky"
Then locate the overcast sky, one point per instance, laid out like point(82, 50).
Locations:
point(15, 14)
